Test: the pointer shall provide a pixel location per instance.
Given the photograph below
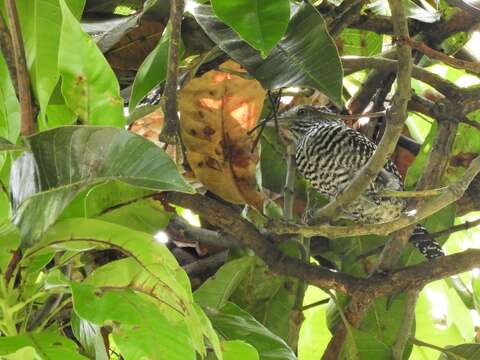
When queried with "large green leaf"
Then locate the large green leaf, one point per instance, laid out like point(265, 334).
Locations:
point(152, 71)
point(236, 324)
point(89, 85)
point(150, 269)
point(216, 291)
point(261, 23)
point(306, 56)
point(66, 160)
point(141, 330)
point(46, 345)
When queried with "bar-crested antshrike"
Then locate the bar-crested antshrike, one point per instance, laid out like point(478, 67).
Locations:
point(329, 154)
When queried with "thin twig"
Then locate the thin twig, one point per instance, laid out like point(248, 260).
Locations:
point(170, 130)
point(465, 226)
point(413, 194)
point(23, 78)
point(316, 303)
point(437, 55)
point(352, 64)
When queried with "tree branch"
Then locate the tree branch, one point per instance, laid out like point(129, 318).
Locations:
point(437, 55)
point(170, 129)
point(180, 230)
point(232, 223)
point(352, 64)
point(23, 78)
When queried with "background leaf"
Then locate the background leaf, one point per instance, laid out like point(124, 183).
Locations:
point(260, 23)
point(46, 345)
point(153, 70)
point(89, 85)
point(236, 324)
point(306, 56)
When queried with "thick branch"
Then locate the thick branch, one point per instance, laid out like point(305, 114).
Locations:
point(230, 222)
point(180, 230)
point(417, 276)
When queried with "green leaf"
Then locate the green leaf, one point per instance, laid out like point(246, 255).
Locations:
point(152, 71)
point(9, 106)
point(151, 269)
point(141, 330)
point(47, 346)
point(9, 241)
point(41, 25)
point(66, 160)
point(360, 42)
point(306, 56)
point(235, 349)
point(89, 85)
point(90, 337)
point(463, 351)
point(236, 324)
point(314, 334)
point(216, 291)
point(428, 331)
point(363, 346)
point(261, 23)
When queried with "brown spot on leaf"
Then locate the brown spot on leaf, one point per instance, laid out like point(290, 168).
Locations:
point(462, 159)
point(208, 131)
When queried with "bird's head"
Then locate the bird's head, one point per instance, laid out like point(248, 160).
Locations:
point(295, 122)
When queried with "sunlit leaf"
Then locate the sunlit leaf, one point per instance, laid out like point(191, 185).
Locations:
point(89, 85)
point(47, 345)
point(235, 349)
point(260, 23)
point(142, 330)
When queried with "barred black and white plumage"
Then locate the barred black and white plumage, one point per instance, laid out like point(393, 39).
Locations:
point(329, 154)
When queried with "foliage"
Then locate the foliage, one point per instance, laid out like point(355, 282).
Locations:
point(85, 271)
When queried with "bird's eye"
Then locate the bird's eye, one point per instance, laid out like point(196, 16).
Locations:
point(301, 112)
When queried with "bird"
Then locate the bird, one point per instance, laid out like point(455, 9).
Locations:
point(328, 154)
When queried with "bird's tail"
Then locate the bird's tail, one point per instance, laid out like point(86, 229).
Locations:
point(425, 243)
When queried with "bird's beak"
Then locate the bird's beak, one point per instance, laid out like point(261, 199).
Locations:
point(282, 122)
